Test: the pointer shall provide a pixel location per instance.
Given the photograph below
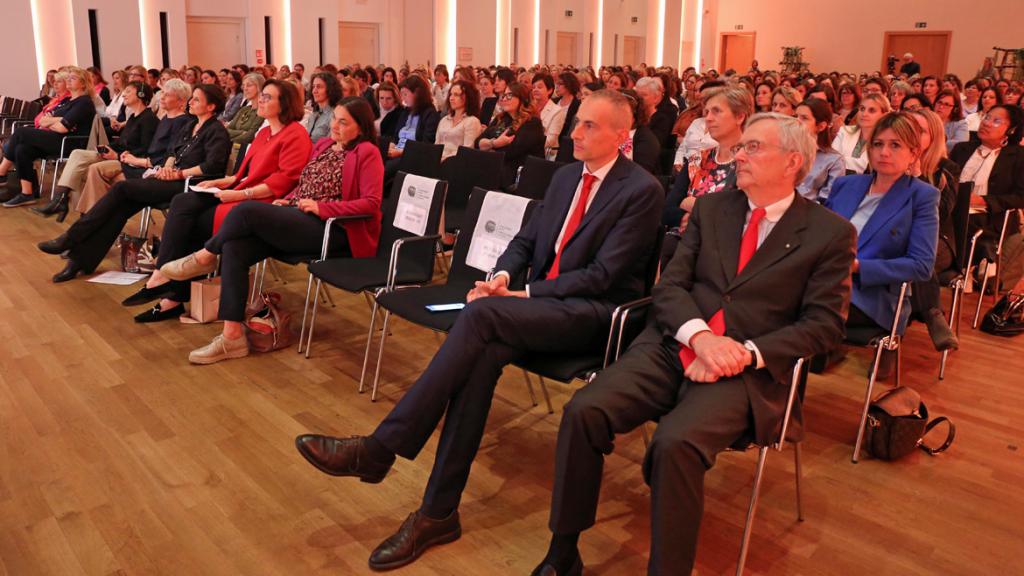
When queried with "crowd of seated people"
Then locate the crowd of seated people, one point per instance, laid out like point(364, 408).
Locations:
point(864, 169)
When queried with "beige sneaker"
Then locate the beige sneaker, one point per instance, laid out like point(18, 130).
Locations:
point(187, 268)
point(220, 349)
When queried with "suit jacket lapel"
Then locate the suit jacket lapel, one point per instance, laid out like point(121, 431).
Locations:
point(783, 240)
point(888, 207)
point(729, 232)
point(558, 213)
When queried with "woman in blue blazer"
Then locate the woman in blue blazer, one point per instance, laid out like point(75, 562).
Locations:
point(897, 222)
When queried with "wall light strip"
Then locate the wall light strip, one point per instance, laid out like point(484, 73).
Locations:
point(600, 34)
point(144, 32)
point(696, 40)
point(536, 32)
point(37, 39)
point(287, 7)
point(682, 32)
point(450, 38)
point(659, 59)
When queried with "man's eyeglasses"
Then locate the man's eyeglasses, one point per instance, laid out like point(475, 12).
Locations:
point(751, 147)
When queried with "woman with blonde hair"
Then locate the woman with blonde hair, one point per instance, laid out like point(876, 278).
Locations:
point(73, 117)
point(246, 122)
point(785, 100)
point(852, 141)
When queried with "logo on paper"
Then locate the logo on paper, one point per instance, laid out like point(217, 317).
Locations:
point(411, 191)
point(490, 226)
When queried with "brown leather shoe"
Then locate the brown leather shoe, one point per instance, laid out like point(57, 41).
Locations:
point(417, 534)
point(341, 457)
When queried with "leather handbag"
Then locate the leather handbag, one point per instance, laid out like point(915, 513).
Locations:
point(897, 424)
point(1006, 318)
point(268, 325)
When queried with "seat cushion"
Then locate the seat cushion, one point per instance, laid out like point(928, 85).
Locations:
point(411, 305)
point(358, 274)
point(563, 368)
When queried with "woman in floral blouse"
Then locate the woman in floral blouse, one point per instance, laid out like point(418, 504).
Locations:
point(343, 178)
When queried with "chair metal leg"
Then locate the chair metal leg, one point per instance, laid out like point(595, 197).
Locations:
point(144, 222)
point(312, 322)
point(529, 386)
point(305, 311)
point(899, 359)
point(369, 340)
point(798, 474)
point(981, 294)
point(53, 182)
point(942, 365)
point(547, 398)
point(867, 400)
point(752, 510)
point(380, 356)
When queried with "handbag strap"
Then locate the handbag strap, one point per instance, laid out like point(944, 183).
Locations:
point(949, 436)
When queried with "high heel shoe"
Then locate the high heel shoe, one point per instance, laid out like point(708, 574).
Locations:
point(58, 245)
point(59, 205)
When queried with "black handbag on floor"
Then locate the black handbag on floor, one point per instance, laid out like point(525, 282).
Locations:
point(897, 424)
point(1006, 318)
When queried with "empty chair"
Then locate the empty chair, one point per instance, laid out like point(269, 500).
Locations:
point(421, 159)
point(468, 169)
point(534, 177)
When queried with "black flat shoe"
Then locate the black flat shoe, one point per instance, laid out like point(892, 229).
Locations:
point(155, 314)
point(70, 272)
point(57, 246)
point(546, 569)
point(148, 295)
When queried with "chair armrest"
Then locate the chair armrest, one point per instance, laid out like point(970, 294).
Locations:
point(613, 349)
point(327, 230)
point(396, 249)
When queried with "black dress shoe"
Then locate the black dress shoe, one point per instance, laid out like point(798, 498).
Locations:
point(342, 457)
point(546, 569)
point(155, 314)
point(56, 246)
point(58, 205)
point(417, 534)
point(70, 272)
point(145, 295)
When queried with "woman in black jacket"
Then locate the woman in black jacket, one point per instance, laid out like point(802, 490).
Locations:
point(417, 121)
point(201, 149)
point(642, 145)
point(517, 131)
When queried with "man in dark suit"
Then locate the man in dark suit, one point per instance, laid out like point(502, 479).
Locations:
point(761, 277)
point(583, 252)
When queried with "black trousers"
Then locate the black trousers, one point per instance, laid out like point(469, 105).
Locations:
point(95, 232)
point(29, 144)
point(696, 422)
point(925, 295)
point(253, 231)
point(189, 225)
point(459, 382)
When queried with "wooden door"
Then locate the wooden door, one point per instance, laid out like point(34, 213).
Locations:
point(565, 51)
point(930, 50)
point(737, 51)
point(215, 42)
point(358, 42)
point(632, 50)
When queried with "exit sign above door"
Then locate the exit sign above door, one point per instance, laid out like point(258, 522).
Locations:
point(920, 24)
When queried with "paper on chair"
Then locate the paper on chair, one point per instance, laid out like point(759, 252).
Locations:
point(196, 188)
point(414, 204)
point(117, 278)
point(501, 216)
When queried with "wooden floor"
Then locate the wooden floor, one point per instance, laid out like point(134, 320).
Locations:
point(118, 457)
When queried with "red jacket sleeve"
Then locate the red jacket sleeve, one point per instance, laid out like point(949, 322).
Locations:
point(369, 182)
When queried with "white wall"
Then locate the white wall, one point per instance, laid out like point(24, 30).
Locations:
point(305, 29)
point(848, 38)
point(618, 15)
point(475, 25)
point(177, 32)
point(120, 44)
point(21, 76)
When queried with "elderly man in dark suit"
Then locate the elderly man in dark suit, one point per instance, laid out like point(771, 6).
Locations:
point(761, 277)
point(583, 252)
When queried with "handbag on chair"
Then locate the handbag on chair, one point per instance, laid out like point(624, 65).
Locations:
point(897, 424)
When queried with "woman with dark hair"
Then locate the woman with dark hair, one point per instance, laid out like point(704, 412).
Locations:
point(930, 87)
point(642, 144)
point(848, 96)
point(950, 110)
point(344, 177)
point(763, 96)
point(989, 98)
point(488, 99)
point(270, 169)
point(417, 121)
point(828, 165)
point(389, 75)
point(517, 131)
point(460, 126)
point(99, 84)
point(326, 92)
point(201, 149)
point(915, 101)
point(233, 92)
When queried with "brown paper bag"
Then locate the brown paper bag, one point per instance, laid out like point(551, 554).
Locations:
point(204, 302)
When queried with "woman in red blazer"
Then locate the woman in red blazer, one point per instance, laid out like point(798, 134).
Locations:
point(344, 177)
point(270, 170)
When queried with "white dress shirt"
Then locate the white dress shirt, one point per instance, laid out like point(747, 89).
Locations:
point(773, 213)
point(978, 169)
point(696, 140)
point(601, 173)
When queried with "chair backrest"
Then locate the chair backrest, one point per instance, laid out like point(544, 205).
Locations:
point(535, 176)
point(461, 273)
point(419, 256)
point(468, 169)
point(31, 110)
point(421, 159)
point(7, 106)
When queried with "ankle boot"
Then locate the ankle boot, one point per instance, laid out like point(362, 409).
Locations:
point(942, 336)
point(58, 205)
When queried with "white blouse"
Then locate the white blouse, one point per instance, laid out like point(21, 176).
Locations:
point(452, 135)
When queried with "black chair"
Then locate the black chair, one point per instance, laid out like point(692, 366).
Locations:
point(147, 212)
point(984, 265)
point(963, 256)
point(627, 321)
point(411, 304)
point(468, 169)
point(534, 177)
point(421, 159)
point(403, 259)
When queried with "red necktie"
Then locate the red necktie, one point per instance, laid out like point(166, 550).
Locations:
point(748, 245)
point(574, 222)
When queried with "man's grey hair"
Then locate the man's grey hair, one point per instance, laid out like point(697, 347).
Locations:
point(738, 99)
point(651, 83)
point(624, 110)
point(793, 137)
point(178, 87)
